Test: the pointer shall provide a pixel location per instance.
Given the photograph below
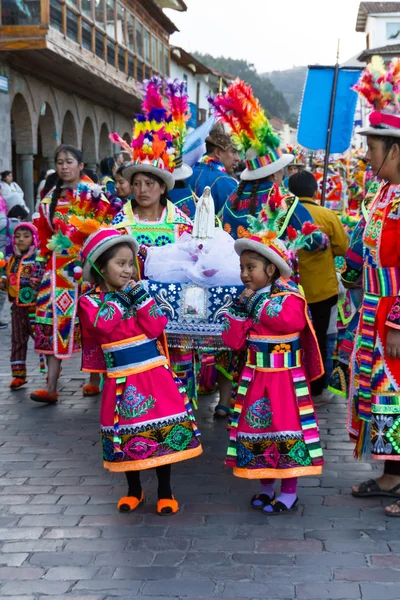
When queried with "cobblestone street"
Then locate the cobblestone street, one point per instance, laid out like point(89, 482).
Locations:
point(61, 535)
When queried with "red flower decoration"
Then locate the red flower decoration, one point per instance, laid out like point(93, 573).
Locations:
point(291, 233)
point(309, 228)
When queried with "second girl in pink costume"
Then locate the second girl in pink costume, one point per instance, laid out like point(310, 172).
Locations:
point(274, 433)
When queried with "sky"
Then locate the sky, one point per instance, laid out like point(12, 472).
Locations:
point(274, 35)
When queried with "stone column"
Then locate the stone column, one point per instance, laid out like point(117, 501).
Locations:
point(26, 182)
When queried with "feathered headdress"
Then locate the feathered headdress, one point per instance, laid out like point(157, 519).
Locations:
point(251, 131)
point(264, 231)
point(246, 118)
point(381, 88)
point(178, 108)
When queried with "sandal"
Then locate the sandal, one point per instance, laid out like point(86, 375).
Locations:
point(17, 383)
point(278, 508)
point(395, 514)
point(44, 396)
point(128, 504)
point(224, 409)
point(167, 506)
point(263, 498)
point(371, 488)
point(90, 390)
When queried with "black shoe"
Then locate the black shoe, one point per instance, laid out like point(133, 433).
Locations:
point(3, 325)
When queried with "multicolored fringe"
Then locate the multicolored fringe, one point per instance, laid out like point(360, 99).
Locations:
point(188, 404)
point(306, 412)
point(117, 441)
point(245, 380)
point(370, 306)
point(42, 363)
point(307, 417)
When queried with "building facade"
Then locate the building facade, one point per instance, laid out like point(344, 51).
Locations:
point(71, 72)
point(380, 21)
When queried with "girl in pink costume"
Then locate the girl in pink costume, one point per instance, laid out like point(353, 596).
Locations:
point(146, 419)
point(274, 433)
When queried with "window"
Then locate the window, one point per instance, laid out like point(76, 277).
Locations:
point(131, 66)
point(87, 8)
point(55, 15)
point(147, 46)
point(17, 12)
point(166, 61)
point(131, 31)
point(110, 24)
point(153, 51)
point(393, 31)
point(99, 13)
point(121, 34)
point(160, 57)
point(139, 38)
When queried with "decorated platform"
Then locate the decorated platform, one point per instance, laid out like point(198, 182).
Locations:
point(195, 314)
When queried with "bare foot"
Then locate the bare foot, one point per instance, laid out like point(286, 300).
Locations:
point(393, 510)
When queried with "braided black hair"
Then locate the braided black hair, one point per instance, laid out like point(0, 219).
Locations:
point(253, 196)
point(57, 190)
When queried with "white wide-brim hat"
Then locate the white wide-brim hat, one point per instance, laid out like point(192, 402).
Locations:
point(182, 172)
point(383, 124)
point(145, 167)
point(266, 170)
point(268, 251)
point(100, 241)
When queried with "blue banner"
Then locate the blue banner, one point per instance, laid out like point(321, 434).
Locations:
point(195, 143)
point(314, 115)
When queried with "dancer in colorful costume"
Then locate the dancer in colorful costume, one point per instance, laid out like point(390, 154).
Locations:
point(374, 411)
point(334, 183)
point(57, 333)
point(260, 184)
point(265, 161)
point(216, 168)
point(146, 418)
point(274, 433)
point(150, 217)
point(22, 276)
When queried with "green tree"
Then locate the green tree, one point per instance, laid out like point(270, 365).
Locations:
point(270, 98)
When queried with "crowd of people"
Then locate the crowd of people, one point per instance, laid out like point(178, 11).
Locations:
point(318, 313)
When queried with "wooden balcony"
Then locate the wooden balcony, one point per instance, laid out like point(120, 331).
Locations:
point(92, 47)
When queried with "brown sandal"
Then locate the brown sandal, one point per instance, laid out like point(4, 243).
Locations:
point(371, 488)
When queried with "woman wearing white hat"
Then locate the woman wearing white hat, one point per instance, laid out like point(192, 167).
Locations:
point(374, 412)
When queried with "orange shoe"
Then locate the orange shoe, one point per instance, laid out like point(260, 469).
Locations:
point(44, 396)
point(167, 506)
point(130, 503)
point(17, 382)
point(90, 390)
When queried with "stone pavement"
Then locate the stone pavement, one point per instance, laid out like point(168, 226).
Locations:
point(62, 537)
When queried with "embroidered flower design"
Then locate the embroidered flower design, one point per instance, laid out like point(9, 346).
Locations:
point(139, 448)
point(118, 218)
point(134, 404)
point(281, 348)
point(242, 232)
point(272, 455)
point(107, 312)
point(162, 240)
point(300, 454)
point(178, 438)
point(274, 306)
point(227, 228)
point(393, 435)
point(172, 287)
point(259, 414)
